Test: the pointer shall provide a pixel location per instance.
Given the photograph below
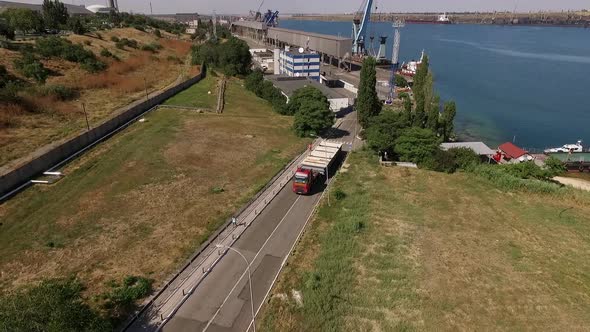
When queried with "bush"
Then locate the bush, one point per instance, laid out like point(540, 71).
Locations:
point(339, 194)
point(58, 47)
point(93, 65)
point(87, 42)
point(500, 177)
point(158, 33)
point(115, 39)
point(60, 92)
point(465, 158)
point(53, 305)
point(152, 47)
point(9, 93)
point(123, 42)
point(31, 67)
point(121, 299)
point(106, 53)
point(554, 166)
point(140, 28)
point(5, 77)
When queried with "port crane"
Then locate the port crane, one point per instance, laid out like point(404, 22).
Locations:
point(359, 28)
point(394, 60)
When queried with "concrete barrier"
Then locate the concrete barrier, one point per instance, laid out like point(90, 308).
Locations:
point(52, 154)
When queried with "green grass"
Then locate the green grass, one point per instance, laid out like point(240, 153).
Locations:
point(416, 250)
point(197, 96)
point(140, 203)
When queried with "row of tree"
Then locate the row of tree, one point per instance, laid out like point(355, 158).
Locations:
point(232, 57)
point(412, 134)
point(54, 16)
point(308, 105)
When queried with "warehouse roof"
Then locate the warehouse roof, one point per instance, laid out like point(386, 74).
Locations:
point(289, 85)
point(478, 147)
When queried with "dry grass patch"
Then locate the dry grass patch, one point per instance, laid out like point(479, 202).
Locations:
point(122, 83)
point(143, 201)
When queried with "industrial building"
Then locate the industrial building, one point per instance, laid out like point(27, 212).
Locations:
point(298, 63)
point(339, 98)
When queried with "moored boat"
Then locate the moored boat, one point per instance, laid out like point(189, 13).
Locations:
point(567, 148)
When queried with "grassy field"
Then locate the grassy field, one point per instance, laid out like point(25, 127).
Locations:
point(141, 202)
point(416, 250)
point(206, 101)
point(124, 81)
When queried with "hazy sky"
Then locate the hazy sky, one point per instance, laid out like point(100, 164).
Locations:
point(334, 6)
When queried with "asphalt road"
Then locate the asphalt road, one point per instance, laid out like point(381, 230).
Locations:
point(222, 300)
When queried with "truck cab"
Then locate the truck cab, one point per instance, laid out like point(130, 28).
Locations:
point(302, 181)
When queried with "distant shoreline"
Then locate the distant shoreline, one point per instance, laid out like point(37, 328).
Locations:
point(567, 19)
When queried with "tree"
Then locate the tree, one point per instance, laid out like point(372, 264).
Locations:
point(447, 120)
point(5, 29)
point(385, 128)
point(53, 305)
point(302, 94)
point(253, 82)
point(24, 20)
point(433, 117)
point(420, 83)
point(368, 104)
point(55, 14)
point(416, 145)
point(407, 112)
point(312, 118)
point(235, 57)
point(77, 26)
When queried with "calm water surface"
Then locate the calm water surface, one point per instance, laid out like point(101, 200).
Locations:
point(532, 83)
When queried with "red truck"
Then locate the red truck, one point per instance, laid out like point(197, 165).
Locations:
point(315, 166)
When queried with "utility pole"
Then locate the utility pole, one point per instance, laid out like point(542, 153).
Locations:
point(147, 96)
point(151, 10)
point(86, 116)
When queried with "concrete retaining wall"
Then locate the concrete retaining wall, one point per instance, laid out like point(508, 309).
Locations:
point(52, 154)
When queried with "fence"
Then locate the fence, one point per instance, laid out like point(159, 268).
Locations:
point(52, 154)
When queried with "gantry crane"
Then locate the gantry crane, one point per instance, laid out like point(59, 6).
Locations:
point(359, 28)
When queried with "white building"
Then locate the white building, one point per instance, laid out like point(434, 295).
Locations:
point(339, 98)
point(298, 63)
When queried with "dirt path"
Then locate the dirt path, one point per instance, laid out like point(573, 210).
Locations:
point(576, 183)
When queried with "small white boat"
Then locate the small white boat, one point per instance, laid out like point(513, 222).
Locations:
point(567, 148)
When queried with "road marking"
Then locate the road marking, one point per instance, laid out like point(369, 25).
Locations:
point(286, 257)
point(249, 265)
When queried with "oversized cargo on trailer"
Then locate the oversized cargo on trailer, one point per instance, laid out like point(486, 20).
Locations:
point(316, 163)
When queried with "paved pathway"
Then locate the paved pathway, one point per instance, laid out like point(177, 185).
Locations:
point(212, 294)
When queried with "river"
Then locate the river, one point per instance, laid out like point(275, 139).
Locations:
point(527, 84)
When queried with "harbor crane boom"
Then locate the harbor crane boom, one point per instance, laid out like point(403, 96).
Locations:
point(359, 28)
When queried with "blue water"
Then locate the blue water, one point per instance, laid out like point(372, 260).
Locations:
point(532, 83)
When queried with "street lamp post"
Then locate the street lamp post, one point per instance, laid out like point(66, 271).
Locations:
point(219, 245)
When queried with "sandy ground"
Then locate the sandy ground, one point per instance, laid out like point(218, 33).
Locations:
point(576, 183)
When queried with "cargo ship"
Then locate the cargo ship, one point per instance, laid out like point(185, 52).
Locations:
point(442, 19)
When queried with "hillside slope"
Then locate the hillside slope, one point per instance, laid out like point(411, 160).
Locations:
point(46, 118)
point(418, 250)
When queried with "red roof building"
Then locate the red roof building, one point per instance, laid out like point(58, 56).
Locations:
point(511, 151)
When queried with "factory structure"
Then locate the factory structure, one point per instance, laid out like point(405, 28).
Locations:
point(297, 63)
point(303, 54)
